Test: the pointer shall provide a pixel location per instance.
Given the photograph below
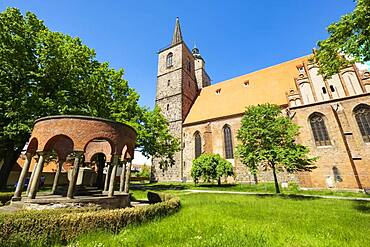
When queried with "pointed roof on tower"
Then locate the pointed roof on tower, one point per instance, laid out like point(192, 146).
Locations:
point(177, 36)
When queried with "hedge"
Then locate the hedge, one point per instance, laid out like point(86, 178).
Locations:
point(48, 227)
point(5, 197)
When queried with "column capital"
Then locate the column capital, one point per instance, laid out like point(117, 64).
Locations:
point(29, 155)
point(78, 154)
point(61, 160)
point(41, 153)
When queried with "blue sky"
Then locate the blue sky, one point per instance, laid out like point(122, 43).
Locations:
point(235, 37)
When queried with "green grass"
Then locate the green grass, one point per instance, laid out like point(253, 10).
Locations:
point(140, 190)
point(239, 220)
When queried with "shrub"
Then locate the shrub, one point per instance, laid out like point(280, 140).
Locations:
point(145, 171)
point(5, 197)
point(210, 167)
point(48, 227)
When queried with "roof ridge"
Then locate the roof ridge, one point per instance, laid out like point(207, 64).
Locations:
point(259, 70)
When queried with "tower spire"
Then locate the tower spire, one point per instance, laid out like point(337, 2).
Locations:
point(177, 36)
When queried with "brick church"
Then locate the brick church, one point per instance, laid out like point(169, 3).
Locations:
point(334, 115)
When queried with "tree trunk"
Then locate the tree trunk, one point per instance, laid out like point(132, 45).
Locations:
point(275, 178)
point(219, 181)
point(10, 159)
point(255, 178)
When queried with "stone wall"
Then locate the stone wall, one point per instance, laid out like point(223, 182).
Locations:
point(49, 178)
point(173, 173)
point(176, 92)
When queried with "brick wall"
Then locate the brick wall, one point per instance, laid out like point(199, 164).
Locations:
point(213, 142)
point(347, 152)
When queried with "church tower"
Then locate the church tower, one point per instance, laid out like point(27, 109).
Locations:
point(177, 88)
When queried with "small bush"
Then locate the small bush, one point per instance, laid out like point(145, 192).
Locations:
point(211, 167)
point(5, 197)
point(59, 226)
point(145, 172)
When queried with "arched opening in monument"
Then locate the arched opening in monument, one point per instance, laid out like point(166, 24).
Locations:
point(98, 154)
point(58, 148)
point(99, 162)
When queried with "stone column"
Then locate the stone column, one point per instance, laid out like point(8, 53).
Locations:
point(76, 168)
point(128, 176)
point(57, 175)
point(122, 177)
point(107, 176)
point(113, 176)
point(18, 191)
point(31, 178)
point(36, 176)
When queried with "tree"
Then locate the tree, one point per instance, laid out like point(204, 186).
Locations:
point(267, 137)
point(49, 73)
point(210, 167)
point(349, 41)
point(42, 73)
point(154, 138)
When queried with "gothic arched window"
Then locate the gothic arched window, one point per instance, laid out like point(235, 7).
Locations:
point(169, 61)
point(228, 143)
point(362, 115)
point(198, 144)
point(319, 130)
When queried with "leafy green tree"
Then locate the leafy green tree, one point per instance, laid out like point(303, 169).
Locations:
point(210, 167)
point(267, 137)
point(156, 140)
point(42, 73)
point(49, 73)
point(349, 41)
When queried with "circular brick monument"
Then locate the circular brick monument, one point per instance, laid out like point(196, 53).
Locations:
point(80, 137)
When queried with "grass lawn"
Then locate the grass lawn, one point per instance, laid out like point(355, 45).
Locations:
point(239, 220)
point(140, 189)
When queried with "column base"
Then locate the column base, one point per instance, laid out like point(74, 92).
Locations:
point(16, 199)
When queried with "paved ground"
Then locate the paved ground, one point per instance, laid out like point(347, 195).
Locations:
point(292, 195)
point(8, 209)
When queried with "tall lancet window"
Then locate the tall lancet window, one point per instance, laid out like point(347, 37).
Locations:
point(228, 143)
point(362, 115)
point(319, 130)
point(198, 144)
point(169, 61)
